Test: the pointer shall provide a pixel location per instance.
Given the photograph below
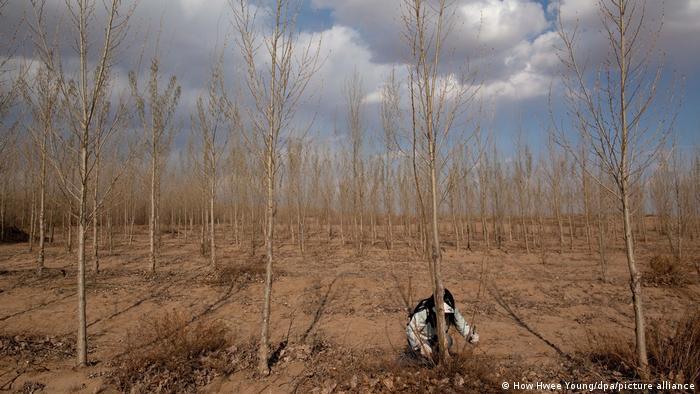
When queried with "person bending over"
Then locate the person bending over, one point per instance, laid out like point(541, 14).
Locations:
point(421, 330)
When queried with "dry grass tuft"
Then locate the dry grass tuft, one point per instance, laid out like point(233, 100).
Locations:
point(332, 368)
point(676, 355)
point(673, 351)
point(465, 372)
point(36, 347)
point(30, 387)
point(611, 352)
point(664, 271)
point(170, 354)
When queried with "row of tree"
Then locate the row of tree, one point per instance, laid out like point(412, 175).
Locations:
point(538, 202)
point(77, 155)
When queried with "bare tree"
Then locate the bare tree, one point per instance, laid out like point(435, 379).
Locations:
point(483, 177)
point(467, 192)
point(42, 100)
point(328, 192)
point(239, 182)
point(585, 196)
point(497, 189)
point(523, 179)
point(610, 111)
point(661, 193)
point(276, 93)
point(354, 94)
point(670, 191)
point(554, 169)
point(156, 109)
point(211, 124)
point(390, 114)
point(436, 101)
point(680, 199)
point(374, 179)
point(296, 167)
point(86, 99)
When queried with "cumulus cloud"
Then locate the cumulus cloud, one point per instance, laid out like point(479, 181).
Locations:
point(507, 41)
point(344, 52)
point(501, 23)
point(477, 24)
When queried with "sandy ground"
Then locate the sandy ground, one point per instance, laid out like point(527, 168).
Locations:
point(529, 313)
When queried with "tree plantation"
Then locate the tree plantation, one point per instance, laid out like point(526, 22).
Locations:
point(269, 196)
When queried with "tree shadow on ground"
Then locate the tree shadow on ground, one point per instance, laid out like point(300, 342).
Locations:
point(496, 294)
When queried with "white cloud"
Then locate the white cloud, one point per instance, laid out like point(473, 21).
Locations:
point(373, 97)
point(522, 85)
point(502, 23)
point(507, 40)
point(529, 70)
point(493, 24)
point(343, 51)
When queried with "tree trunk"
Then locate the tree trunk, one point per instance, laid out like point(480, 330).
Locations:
point(2, 210)
point(152, 216)
point(636, 288)
point(263, 358)
point(587, 218)
point(110, 234)
point(510, 228)
point(81, 345)
point(342, 226)
point(571, 232)
point(32, 220)
point(202, 245)
point(360, 247)
point(235, 225)
point(525, 236)
point(469, 232)
point(389, 227)
point(131, 225)
point(125, 223)
point(635, 276)
point(42, 207)
point(455, 223)
point(436, 260)
point(329, 224)
point(560, 226)
point(95, 235)
point(601, 250)
point(540, 230)
point(52, 226)
point(212, 228)
point(300, 226)
point(69, 240)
